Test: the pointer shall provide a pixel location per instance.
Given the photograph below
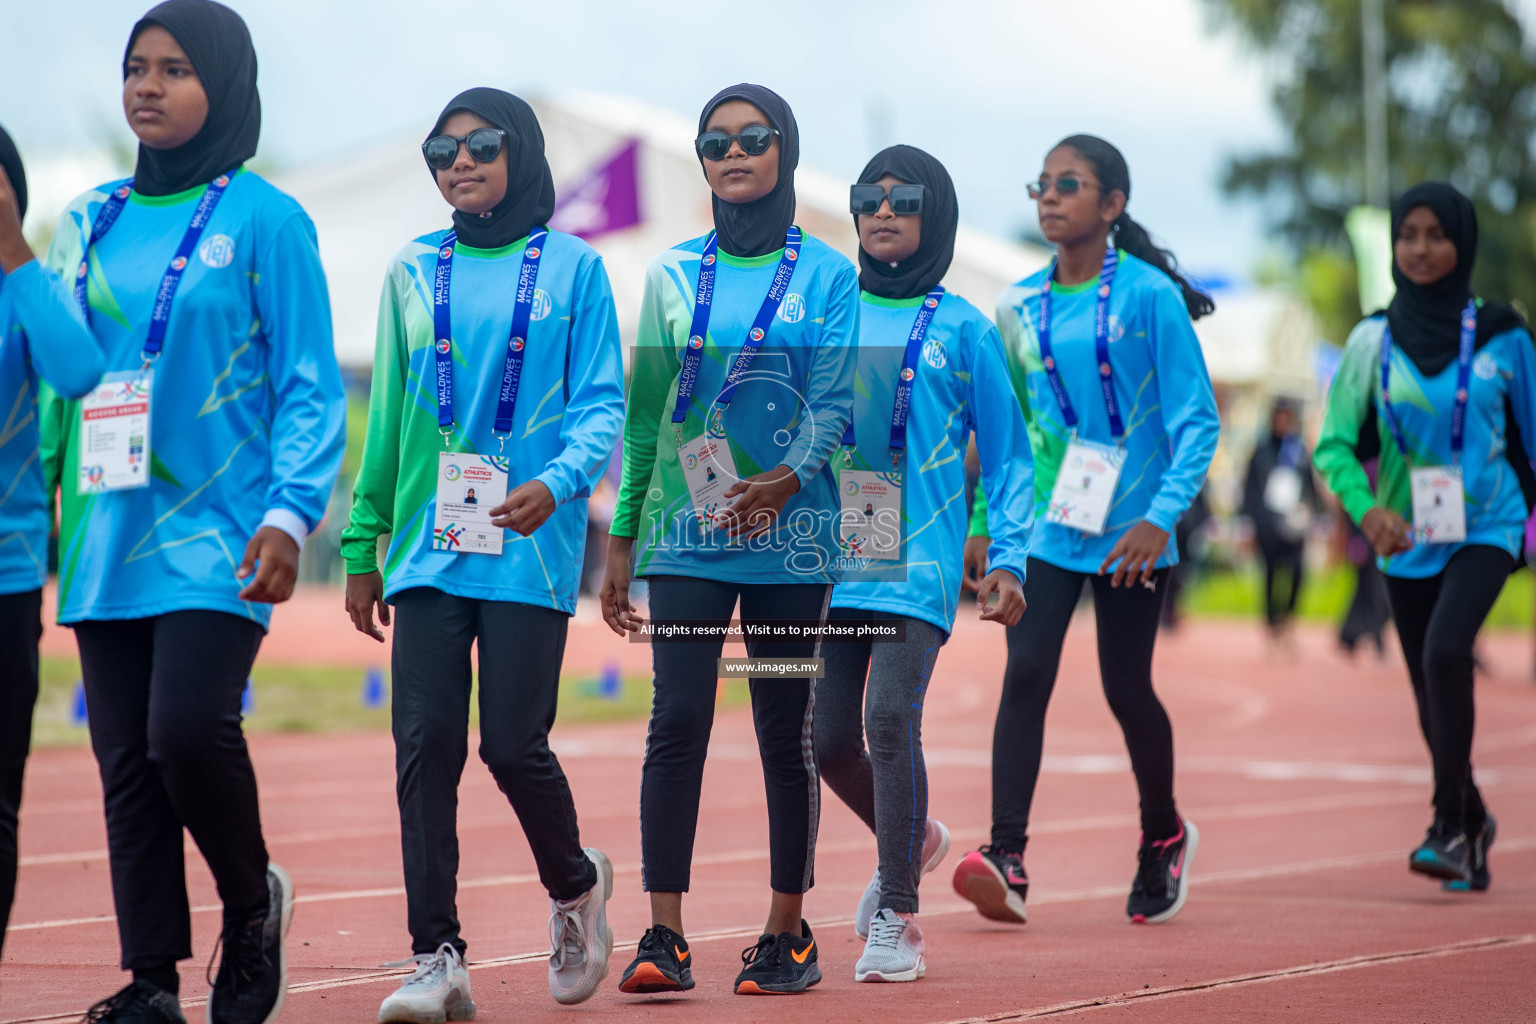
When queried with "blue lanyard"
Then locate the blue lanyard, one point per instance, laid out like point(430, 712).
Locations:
point(1463, 380)
point(1100, 346)
point(908, 377)
point(442, 322)
point(160, 314)
point(703, 300)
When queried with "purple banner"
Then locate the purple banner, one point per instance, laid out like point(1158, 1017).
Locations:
point(606, 199)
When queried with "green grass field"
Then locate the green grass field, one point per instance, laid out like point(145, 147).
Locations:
point(323, 699)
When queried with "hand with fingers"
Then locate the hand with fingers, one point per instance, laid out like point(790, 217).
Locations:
point(1387, 531)
point(1010, 598)
point(525, 509)
point(1136, 553)
point(759, 500)
point(365, 592)
point(614, 595)
point(274, 557)
point(974, 564)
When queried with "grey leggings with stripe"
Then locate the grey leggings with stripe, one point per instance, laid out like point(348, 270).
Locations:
point(887, 784)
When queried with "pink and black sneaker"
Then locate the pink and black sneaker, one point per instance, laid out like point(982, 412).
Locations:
point(994, 880)
point(1162, 877)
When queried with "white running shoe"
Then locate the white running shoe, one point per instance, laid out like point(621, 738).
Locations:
point(893, 951)
point(935, 846)
point(580, 939)
point(437, 992)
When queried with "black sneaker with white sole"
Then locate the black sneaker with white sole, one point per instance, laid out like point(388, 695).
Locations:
point(253, 973)
point(1479, 879)
point(139, 1003)
point(779, 964)
point(1445, 854)
point(1162, 876)
point(993, 878)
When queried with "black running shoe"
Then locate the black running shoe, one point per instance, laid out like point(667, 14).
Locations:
point(139, 1003)
point(662, 963)
point(253, 974)
point(993, 878)
point(1478, 882)
point(779, 964)
point(1444, 854)
point(1162, 876)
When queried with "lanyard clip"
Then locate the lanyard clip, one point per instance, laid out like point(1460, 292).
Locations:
point(501, 442)
point(677, 430)
point(447, 432)
point(847, 456)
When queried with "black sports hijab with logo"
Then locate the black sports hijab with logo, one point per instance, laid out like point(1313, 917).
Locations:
point(218, 44)
point(918, 273)
point(758, 228)
point(530, 198)
point(10, 159)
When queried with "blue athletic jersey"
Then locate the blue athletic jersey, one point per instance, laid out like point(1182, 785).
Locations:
point(247, 415)
point(790, 410)
point(1165, 397)
point(961, 386)
point(42, 335)
point(570, 408)
point(1502, 370)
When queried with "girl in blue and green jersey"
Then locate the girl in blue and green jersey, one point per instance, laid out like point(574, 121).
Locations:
point(1123, 425)
point(930, 373)
point(1441, 385)
point(43, 338)
point(740, 390)
point(498, 387)
point(189, 480)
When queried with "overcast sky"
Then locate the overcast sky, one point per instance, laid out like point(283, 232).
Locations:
point(985, 85)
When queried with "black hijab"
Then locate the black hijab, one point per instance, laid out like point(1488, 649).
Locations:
point(758, 228)
point(530, 197)
point(918, 273)
point(10, 159)
point(218, 44)
point(1426, 319)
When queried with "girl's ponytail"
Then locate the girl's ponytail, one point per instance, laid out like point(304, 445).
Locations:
point(1127, 234)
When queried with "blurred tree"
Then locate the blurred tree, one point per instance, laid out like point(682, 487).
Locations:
point(1461, 92)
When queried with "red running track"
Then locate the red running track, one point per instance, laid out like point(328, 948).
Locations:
point(1306, 776)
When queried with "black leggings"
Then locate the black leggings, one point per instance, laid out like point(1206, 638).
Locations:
point(21, 626)
point(521, 650)
point(683, 711)
point(1283, 571)
point(1127, 620)
point(1437, 623)
point(163, 699)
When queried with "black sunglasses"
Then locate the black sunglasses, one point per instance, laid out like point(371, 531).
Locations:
point(484, 145)
point(906, 200)
point(1065, 186)
point(754, 139)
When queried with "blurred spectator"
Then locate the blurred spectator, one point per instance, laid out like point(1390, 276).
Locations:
point(1280, 498)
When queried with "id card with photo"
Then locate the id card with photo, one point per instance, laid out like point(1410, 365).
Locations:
point(114, 433)
point(710, 471)
point(1085, 486)
point(870, 524)
point(468, 487)
point(1439, 505)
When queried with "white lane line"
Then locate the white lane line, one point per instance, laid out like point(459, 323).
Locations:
point(1355, 963)
point(1046, 897)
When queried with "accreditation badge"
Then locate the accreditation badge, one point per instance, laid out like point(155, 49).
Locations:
point(114, 433)
point(1085, 486)
point(468, 487)
point(710, 471)
point(870, 524)
point(1439, 505)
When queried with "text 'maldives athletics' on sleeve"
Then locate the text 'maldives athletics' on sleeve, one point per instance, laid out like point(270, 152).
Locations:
point(373, 490)
point(1347, 408)
point(309, 415)
point(1188, 405)
point(1007, 466)
point(594, 408)
point(829, 385)
point(62, 348)
point(653, 369)
point(1010, 337)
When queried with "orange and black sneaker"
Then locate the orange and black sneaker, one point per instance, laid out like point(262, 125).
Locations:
point(779, 964)
point(661, 963)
